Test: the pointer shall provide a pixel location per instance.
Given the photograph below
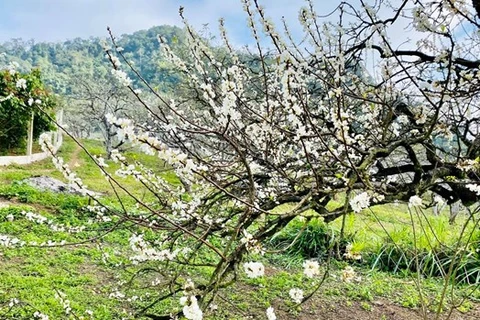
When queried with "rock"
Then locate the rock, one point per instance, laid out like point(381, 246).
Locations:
point(45, 183)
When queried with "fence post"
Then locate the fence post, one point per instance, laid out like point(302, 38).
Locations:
point(58, 133)
point(30, 136)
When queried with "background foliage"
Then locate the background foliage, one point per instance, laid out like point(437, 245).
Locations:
point(16, 112)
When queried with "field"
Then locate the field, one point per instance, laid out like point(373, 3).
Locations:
point(69, 272)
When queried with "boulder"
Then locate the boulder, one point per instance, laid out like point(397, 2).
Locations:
point(46, 183)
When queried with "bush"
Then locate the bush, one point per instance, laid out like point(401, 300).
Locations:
point(309, 239)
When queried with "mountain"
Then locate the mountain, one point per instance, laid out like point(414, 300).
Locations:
point(61, 62)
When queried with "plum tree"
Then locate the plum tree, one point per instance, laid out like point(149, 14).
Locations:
point(299, 123)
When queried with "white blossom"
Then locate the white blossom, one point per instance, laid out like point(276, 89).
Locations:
point(251, 244)
point(349, 275)
point(254, 269)
point(191, 309)
point(271, 314)
point(467, 165)
point(21, 84)
point(122, 77)
point(115, 61)
point(296, 295)
point(13, 302)
point(359, 202)
point(40, 316)
point(415, 201)
point(311, 268)
point(8, 241)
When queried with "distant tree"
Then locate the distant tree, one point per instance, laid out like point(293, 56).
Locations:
point(92, 102)
point(21, 95)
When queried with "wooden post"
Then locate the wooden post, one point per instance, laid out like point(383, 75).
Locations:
point(58, 133)
point(30, 137)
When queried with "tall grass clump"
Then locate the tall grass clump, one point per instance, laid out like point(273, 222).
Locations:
point(309, 238)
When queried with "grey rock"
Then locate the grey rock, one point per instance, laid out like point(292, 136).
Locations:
point(46, 183)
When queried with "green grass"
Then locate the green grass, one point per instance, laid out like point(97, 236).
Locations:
point(90, 271)
point(87, 272)
point(85, 168)
point(33, 275)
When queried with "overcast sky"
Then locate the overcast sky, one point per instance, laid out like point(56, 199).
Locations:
point(59, 20)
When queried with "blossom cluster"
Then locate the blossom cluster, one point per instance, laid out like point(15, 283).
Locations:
point(7, 241)
point(148, 253)
point(252, 245)
point(349, 275)
point(51, 224)
point(64, 302)
point(191, 309)
point(311, 268)
point(296, 295)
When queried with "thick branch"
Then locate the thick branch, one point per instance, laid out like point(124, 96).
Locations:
point(471, 64)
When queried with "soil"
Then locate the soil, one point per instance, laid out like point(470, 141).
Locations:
point(380, 309)
point(321, 307)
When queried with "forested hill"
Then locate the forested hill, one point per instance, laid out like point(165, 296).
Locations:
point(60, 62)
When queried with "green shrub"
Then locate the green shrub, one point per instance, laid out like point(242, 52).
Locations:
point(309, 239)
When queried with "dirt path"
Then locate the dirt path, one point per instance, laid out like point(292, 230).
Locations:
point(75, 160)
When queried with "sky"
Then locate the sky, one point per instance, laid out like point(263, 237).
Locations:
point(59, 20)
